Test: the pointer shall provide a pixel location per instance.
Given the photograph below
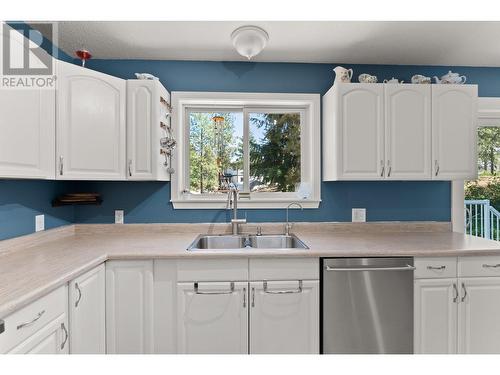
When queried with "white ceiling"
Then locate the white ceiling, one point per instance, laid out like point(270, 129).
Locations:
point(360, 42)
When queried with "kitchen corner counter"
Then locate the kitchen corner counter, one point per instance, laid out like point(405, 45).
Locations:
point(33, 265)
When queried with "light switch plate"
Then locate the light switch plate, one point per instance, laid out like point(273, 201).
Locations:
point(358, 215)
point(39, 223)
point(118, 216)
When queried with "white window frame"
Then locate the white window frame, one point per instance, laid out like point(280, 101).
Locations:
point(307, 104)
point(488, 115)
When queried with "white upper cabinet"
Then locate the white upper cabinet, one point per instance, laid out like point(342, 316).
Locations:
point(212, 318)
point(399, 132)
point(87, 312)
point(91, 127)
point(27, 133)
point(129, 307)
point(148, 121)
point(407, 132)
point(454, 132)
point(435, 316)
point(479, 315)
point(353, 132)
point(284, 317)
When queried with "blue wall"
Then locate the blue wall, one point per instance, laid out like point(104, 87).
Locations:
point(22, 200)
point(149, 201)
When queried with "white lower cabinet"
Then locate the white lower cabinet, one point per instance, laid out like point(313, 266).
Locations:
point(212, 317)
point(87, 313)
point(129, 307)
point(51, 339)
point(284, 317)
point(435, 318)
point(479, 315)
point(459, 314)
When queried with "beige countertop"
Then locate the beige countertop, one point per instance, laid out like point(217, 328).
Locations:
point(33, 265)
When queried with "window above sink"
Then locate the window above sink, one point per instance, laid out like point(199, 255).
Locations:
point(267, 145)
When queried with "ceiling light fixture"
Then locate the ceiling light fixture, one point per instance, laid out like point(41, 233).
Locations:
point(249, 41)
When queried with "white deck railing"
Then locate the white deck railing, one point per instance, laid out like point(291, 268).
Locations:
point(482, 219)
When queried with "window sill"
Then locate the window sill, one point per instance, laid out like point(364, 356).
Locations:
point(204, 204)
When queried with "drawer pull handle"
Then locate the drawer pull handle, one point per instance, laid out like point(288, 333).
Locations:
point(465, 292)
point(230, 291)
point(77, 287)
point(244, 298)
point(491, 265)
point(455, 299)
point(288, 291)
point(22, 325)
point(63, 327)
point(253, 297)
point(436, 268)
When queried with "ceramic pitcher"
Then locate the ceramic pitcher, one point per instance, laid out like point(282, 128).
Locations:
point(342, 74)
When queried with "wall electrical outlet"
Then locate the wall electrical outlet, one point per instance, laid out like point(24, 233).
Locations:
point(39, 223)
point(358, 215)
point(118, 216)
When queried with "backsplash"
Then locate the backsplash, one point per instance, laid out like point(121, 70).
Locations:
point(146, 202)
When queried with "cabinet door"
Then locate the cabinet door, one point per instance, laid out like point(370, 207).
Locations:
point(479, 315)
point(90, 124)
point(141, 109)
point(284, 317)
point(129, 307)
point(51, 339)
point(212, 318)
point(454, 132)
point(408, 132)
point(87, 313)
point(360, 115)
point(435, 317)
point(27, 133)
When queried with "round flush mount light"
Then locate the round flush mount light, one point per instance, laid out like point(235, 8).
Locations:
point(249, 41)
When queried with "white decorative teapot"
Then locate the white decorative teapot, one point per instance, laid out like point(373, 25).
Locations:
point(451, 78)
point(342, 74)
point(393, 80)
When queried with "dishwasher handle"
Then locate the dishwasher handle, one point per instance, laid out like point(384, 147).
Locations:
point(408, 267)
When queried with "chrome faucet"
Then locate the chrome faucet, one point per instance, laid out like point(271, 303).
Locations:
point(232, 198)
point(288, 226)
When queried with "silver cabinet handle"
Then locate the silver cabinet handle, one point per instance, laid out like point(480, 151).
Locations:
point(382, 165)
point(77, 287)
point(61, 165)
point(438, 268)
point(244, 297)
point(436, 167)
point(130, 167)
point(63, 327)
point(253, 297)
point(389, 168)
point(455, 289)
point(491, 265)
point(26, 324)
point(290, 291)
point(404, 268)
point(465, 292)
point(230, 291)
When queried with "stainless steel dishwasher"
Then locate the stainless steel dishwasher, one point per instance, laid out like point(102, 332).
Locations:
point(367, 305)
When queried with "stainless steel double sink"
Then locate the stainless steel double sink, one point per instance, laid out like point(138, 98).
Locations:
point(265, 241)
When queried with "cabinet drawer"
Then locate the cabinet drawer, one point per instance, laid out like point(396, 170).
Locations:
point(212, 269)
point(430, 268)
point(284, 269)
point(479, 266)
point(23, 323)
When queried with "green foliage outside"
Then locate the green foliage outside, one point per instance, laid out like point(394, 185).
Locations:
point(487, 186)
point(274, 143)
point(205, 149)
point(275, 159)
